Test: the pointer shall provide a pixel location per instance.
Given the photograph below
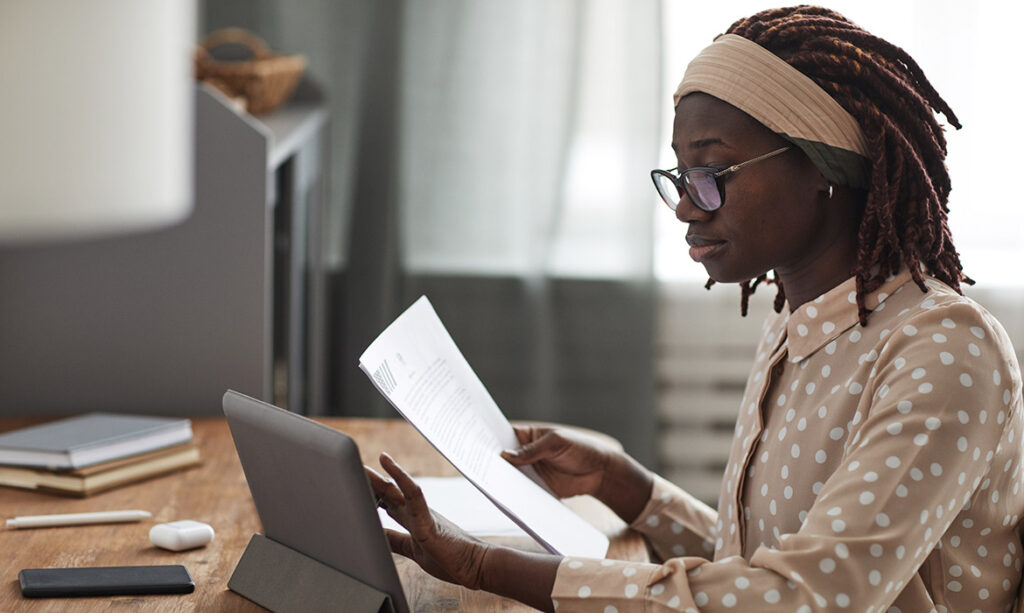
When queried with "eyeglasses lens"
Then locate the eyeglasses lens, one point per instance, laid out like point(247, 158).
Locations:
point(703, 190)
point(668, 190)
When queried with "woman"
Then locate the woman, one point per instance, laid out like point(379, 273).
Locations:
point(876, 461)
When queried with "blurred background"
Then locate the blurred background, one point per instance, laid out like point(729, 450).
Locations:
point(493, 156)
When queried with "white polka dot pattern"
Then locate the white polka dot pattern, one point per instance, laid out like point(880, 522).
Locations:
point(881, 448)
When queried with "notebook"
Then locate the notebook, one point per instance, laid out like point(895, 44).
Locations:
point(100, 477)
point(75, 442)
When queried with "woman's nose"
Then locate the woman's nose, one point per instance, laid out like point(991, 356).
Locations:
point(687, 211)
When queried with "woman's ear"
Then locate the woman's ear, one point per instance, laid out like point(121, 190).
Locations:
point(826, 189)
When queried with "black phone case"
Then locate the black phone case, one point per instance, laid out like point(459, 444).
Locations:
point(105, 581)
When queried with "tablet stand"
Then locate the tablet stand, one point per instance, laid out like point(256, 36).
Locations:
point(283, 580)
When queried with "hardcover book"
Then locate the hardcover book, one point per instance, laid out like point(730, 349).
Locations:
point(103, 476)
point(80, 441)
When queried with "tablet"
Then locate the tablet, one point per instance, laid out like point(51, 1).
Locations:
point(311, 492)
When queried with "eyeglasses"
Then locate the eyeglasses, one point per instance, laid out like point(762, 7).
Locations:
point(700, 183)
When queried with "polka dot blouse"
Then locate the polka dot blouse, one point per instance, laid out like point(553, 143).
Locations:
point(873, 469)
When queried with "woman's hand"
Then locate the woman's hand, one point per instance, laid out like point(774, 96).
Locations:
point(573, 464)
point(570, 463)
point(440, 547)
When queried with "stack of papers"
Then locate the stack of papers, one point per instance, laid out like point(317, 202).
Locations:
point(415, 364)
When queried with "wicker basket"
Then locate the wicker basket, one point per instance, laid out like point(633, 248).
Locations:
point(264, 82)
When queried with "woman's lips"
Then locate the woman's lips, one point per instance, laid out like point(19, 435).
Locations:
point(702, 249)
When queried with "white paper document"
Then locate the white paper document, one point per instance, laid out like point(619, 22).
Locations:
point(461, 503)
point(417, 367)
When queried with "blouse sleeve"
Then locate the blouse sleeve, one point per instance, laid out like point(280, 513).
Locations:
point(674, 523)
point(919, 449)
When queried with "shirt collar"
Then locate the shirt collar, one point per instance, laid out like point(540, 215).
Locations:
point(822, 320)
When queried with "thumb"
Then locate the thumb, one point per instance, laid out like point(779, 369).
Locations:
point(400, 543)
point(540, 449)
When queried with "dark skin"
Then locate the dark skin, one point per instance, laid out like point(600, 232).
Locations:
point(777, 215)
point(570, 464)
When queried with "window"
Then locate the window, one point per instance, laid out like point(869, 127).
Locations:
point(968, 56)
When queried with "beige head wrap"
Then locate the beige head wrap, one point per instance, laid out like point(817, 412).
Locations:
point(762, 85)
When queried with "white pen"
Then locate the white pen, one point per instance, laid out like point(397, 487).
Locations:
point(76, 519)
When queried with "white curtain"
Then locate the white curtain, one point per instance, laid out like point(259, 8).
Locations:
point(527, 131)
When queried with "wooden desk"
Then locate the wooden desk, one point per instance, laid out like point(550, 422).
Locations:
point(216, 493)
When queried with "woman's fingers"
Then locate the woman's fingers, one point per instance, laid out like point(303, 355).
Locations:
point(384, 489)
point(525, 434)
point(515, 458)
point(404, 502)
point(409, 488)
point(377, 482)
point(417, 510)
point(529, 434)
point(542, 448)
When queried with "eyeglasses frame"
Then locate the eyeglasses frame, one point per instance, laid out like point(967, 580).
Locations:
point(715, 174)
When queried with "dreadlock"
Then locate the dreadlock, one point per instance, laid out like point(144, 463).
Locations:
point(904, 219)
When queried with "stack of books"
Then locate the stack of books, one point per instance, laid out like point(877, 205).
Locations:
point(91, 453)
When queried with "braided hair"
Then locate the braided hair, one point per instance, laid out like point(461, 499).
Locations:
point(904, 218)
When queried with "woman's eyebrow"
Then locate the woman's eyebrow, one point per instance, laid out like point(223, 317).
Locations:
point(701, 143)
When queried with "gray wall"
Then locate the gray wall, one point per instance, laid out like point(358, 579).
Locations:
point(159, 322)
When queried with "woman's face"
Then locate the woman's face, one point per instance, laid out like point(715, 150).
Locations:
point(775, 213)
